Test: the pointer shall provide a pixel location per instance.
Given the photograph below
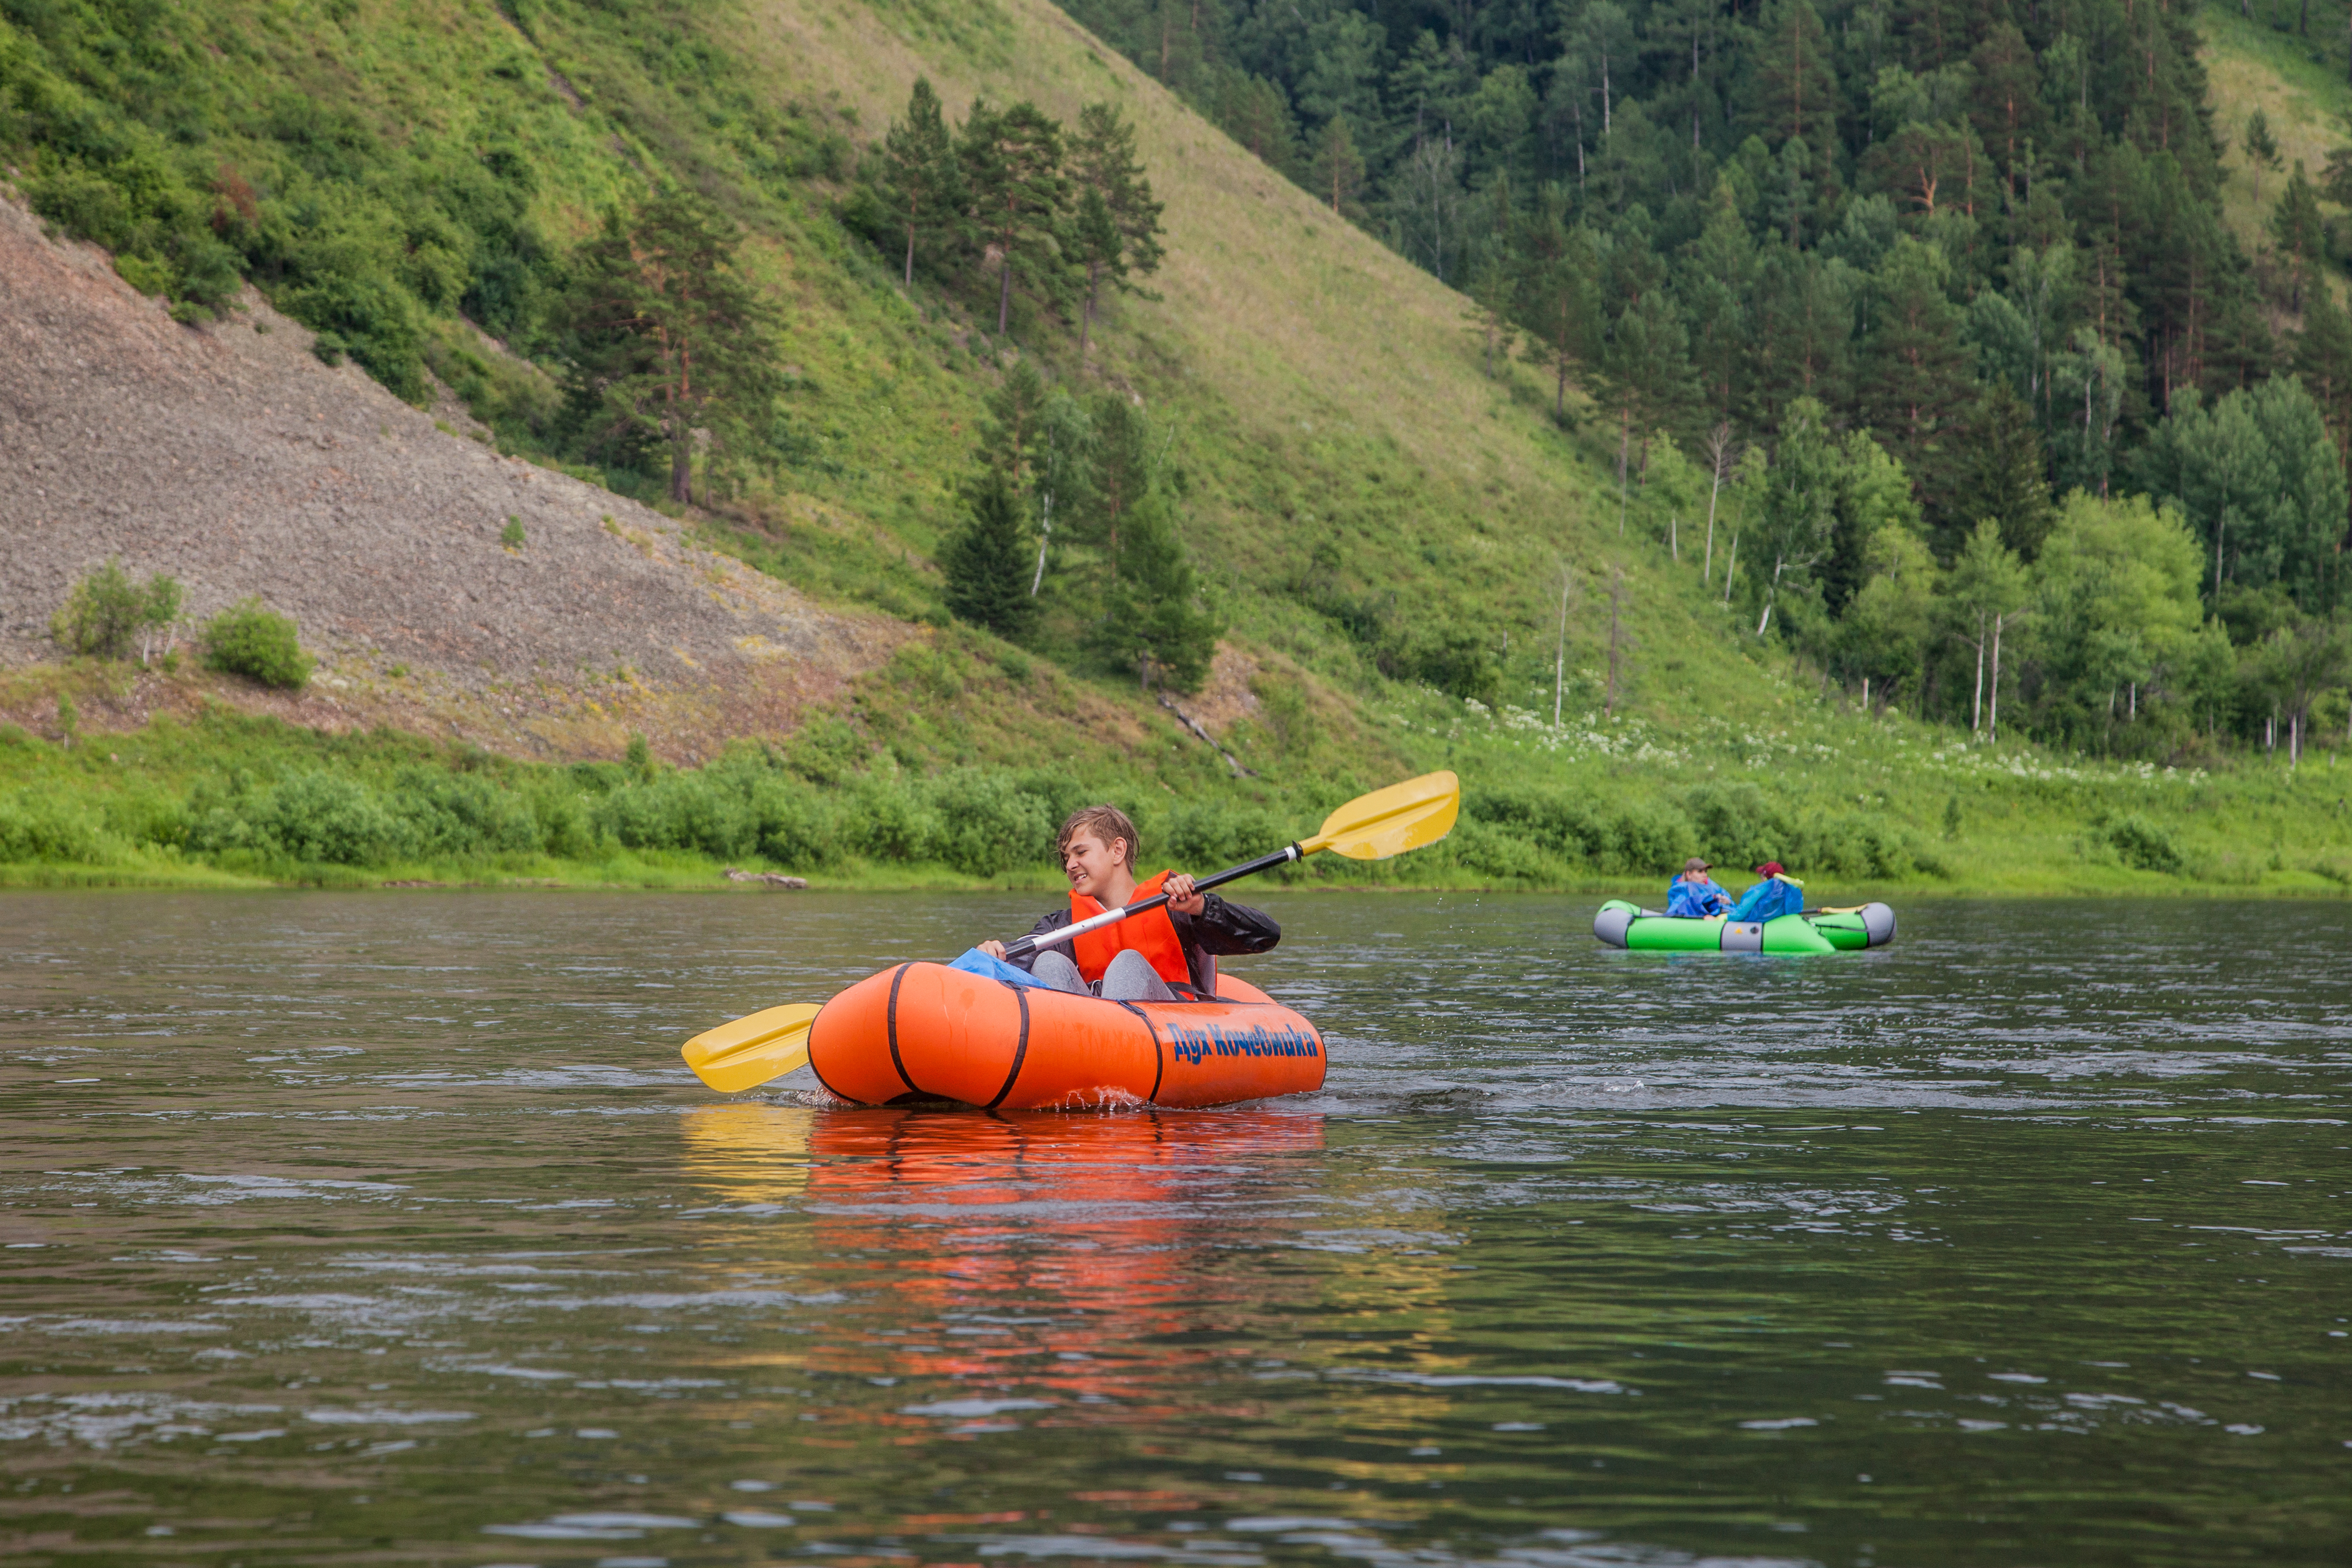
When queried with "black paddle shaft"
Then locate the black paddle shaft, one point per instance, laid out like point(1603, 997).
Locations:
point(1024, 946)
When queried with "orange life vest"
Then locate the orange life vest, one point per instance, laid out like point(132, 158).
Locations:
point(1152, 935)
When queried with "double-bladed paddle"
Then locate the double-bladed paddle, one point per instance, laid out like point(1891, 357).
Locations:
point(767, 1045)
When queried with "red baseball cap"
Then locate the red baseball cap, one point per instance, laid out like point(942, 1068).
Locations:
point(1771, 869)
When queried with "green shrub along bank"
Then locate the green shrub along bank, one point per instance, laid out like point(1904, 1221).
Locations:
point(1850, 802)
point(248, 641)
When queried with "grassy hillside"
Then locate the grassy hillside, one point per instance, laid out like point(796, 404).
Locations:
point(2301, 91)
point(1354, 485)
point(1322, 394)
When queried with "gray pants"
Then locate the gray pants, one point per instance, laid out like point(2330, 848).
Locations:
point(1129, 978)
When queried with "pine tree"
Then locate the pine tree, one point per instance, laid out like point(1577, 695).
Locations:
point(2008, 113)
point(1429, 89)
point(2262, 149)
point(918, 171)
point(1647, 364)
point(1016, 414)
point(1801, 328)
point(2323, 357)
point(2004, 476)
point(1011, 160)
point(1793, 91)
point(1116, 234)
point(1557, 303)
point(1256, 113)
point(2336, 177)
point(986, 562)
point(2299, 232)
point(668, 336)
point(1490, 312)
point(1715, 283)
point(1915, 372)
point(1336, 175)
point(1493, 253)
point(1156, 621)
point(1929, 169)
point(1121, 477)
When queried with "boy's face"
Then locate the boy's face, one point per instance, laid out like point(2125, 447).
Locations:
point(1089, 862)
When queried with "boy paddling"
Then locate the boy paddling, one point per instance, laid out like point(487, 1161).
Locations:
point(1141, 958)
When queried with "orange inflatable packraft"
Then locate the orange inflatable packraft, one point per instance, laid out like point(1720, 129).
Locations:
point(927, 1031)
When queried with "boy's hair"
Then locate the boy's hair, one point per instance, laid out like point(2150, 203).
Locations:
point(1105, 822)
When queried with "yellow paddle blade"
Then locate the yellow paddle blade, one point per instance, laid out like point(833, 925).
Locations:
point(749, 1051)
point(1391, 821)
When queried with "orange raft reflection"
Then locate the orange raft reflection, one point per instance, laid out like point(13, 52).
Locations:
point(927, 1031)
point(1084, 1238)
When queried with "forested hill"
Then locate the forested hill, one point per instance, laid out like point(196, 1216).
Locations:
point(1990, 234)
point(1893, 209)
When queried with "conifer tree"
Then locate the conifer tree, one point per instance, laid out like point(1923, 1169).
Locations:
point(2323, 358)
point(1016, 415)
point(1336, 175)
point(1800, 327)
point(1647, 364)
point(1492, 283)
point(1156, 621)
point(1793, 88)
point(986, 562)
point(919, 171)
point(2336, 177)
point(1011, 160)
point(668, 336)
point(1915, 372)
point(2001, 474)
point(2008, 113)
point(1121, 477)
point(2262, 149)
point(1256, 113)
point(1557, 302)
point(1715, 284)
point(1116, 234)
point(1490, 312)
point(2300, 233)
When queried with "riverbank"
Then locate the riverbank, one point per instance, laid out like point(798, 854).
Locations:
point(1858, 805)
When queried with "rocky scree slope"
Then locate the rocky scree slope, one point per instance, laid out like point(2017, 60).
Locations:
point(229, 456)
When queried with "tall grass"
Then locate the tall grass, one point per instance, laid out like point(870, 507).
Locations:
point(1852, 805)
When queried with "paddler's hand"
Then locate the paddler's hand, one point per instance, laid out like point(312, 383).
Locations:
point(1181, 896)
point(993, 948)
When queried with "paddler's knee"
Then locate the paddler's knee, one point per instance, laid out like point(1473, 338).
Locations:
point(1130, 977)
point(1055, 969)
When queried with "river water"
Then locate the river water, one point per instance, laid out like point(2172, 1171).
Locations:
point(389, 1226)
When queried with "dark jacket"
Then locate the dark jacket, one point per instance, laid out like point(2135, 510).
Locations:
point(1221, 930)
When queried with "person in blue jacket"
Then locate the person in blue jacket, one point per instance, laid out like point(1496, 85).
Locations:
point(1778, 894)
point(1693, 895)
